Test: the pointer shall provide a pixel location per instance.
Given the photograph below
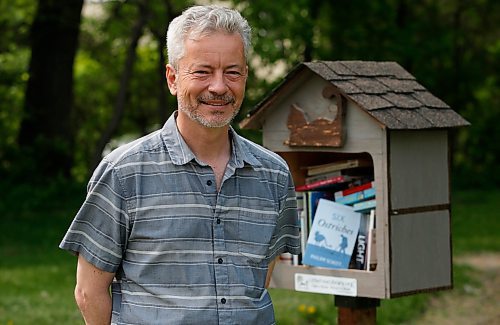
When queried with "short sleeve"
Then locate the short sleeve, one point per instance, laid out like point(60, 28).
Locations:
point(100, 228)
point(286, 238)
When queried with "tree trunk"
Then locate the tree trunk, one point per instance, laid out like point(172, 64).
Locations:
point(159, 33)
point(46, 136)
point(163, 110)
point(121, 97)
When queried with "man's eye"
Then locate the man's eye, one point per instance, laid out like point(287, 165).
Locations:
point(200, 72)
point(234, 73)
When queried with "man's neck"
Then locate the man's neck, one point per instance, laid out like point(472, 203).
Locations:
point(210, 145)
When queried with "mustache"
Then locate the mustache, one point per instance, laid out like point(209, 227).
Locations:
point(223, 98)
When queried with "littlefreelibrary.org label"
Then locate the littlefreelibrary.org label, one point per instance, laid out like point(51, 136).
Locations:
point(326, 284)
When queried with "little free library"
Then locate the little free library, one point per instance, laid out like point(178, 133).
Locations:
point(368, 149)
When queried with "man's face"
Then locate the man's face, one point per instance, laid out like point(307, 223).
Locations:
point(210, 80)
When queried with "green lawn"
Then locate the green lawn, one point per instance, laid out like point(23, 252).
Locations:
point(37, 279)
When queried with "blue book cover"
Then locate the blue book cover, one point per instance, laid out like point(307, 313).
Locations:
point(357, 197)
point(333, 235)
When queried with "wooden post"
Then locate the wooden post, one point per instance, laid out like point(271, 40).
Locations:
point(356, 310)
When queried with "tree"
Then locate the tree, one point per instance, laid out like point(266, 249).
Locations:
point(121, 97)
point(150, 17)
point(451, 47)
point(16, 18)
point(46, 134)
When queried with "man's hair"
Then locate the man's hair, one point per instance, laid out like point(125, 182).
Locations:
point(198, 21)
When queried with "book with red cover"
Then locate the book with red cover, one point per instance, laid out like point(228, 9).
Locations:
point(357, 197)
point(354, 189)
point(325, 183)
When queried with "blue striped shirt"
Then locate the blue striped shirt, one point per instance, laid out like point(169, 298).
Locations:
point(183, 252)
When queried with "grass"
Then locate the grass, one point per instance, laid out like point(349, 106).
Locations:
point(37, 279)
point(475, 222)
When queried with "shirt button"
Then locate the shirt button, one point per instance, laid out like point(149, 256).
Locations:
point(223, 300)
point(220, 261)
point(209, 182)
point(218, 220)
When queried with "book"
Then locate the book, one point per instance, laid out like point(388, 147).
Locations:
point(360, 250)
point(337, 165)
point(286, 258)
point(371, 254)
point(332, 236)
point(313, 201)
point(365, 205)
point(330, 183)
point(354, 189)
point(320, 177)
point(356, 197)
point(302, 211)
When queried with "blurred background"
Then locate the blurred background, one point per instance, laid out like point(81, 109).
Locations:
point(78, 78)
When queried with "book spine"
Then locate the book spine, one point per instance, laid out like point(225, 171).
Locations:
point(361, 243)
point(354, 189)
point(316, 178)
point(370, 246)
point(303, 220)
point(316, 170)
point(356, 197)
point(286, 258)
point(364, 205)
point(322, 183)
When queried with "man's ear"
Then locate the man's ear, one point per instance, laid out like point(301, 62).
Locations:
point(171, 76)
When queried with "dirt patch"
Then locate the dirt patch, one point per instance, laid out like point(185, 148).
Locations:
point(474, 303)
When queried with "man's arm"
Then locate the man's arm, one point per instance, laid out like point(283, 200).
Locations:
point(270, 271)
point(92, 293)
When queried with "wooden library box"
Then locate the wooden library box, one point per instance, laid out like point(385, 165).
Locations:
point(334, 111)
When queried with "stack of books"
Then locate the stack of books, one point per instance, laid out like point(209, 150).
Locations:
point(335, 175)
point(336, 208)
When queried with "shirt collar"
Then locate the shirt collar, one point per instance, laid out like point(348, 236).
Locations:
point(181, 154)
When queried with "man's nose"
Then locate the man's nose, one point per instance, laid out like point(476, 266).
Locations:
point(218, 84)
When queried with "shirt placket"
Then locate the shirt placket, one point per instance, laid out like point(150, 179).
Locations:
point(219, 247)
point(220, 265)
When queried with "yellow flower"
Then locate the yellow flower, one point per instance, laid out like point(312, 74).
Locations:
point(311, 309)
point(302, 308)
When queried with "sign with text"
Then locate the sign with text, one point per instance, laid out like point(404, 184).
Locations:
point(326, 284)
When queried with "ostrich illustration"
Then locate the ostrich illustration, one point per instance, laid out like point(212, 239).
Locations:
point(320, 239)
point(343, 244)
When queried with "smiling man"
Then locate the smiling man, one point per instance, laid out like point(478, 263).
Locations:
point(185, 223)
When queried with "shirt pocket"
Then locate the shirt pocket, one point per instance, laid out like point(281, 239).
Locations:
point(256, 228)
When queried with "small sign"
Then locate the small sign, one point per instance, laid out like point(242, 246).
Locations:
point(326, 284)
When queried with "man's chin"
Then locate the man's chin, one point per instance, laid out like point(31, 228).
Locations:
point(214, 122)
point(216, 118)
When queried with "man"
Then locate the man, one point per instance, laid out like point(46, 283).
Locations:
point(184, 224)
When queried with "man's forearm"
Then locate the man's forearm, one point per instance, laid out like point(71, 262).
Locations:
point(92, 293)
point(270, 271)
point(95, 307)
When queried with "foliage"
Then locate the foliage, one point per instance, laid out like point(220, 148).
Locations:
point(15, 21)
point(105, 37)
point(477, 153)
point(451, 47)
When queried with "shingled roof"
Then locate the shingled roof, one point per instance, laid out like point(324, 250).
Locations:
point(383, 89)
